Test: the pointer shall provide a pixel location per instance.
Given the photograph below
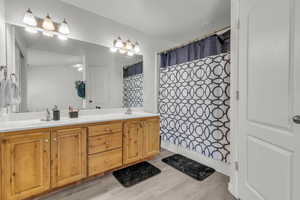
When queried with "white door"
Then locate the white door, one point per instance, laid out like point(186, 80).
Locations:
point(269, 79)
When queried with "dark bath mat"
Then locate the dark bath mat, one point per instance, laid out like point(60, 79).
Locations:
point(134, 174)
point(189, 167)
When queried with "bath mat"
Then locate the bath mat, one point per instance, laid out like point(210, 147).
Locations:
point(135, 174)
point(189, 167)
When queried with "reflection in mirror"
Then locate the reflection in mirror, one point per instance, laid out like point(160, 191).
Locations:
point(73, 73)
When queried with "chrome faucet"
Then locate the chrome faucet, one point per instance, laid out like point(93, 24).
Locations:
point(48, 116)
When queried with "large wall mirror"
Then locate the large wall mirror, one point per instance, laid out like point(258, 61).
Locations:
point(49, 72)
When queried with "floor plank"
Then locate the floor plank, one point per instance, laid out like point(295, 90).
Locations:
point(168, 185)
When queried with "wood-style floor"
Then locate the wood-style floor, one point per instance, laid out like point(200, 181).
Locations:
point(168, 185)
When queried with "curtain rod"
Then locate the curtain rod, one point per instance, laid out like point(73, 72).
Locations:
point(195, 40)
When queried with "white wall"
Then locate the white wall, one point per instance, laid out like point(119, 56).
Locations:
point(90, 27)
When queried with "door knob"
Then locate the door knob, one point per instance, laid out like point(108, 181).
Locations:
point(296, 119)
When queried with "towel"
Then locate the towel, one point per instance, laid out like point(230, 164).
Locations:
point(9, 93)
point(2, 97)
point(14, 93)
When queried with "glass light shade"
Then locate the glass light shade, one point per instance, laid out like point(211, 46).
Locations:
point(48, 34)
point(29, 18)
point(80, 69)
point(137, 48)
point(48, 24)
point(128, 45)
point(122, 51)
point(118, 43)
point(113, 49)
point(130, 53)
point(31, 30)
point(64, 28)
point(62, 37)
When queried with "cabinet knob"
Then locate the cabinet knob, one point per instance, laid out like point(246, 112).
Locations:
point(47, 140)
point(54, 139)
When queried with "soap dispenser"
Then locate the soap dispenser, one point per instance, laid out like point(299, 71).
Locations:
point(56, 113)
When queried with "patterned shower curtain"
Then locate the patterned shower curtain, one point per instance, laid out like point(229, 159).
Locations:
point(194, 105)
point(133, 91)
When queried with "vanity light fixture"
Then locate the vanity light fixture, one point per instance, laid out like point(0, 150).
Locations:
point(48, 27)
point(29, 18)
point(129, 48)
point(64, 28)
point(118, 43)
point(129, 45)
point(122, 51)
point(48, 24)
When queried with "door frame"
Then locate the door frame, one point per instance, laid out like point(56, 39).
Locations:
point(234, 100)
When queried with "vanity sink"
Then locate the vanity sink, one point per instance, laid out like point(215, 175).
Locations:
point(18, 125)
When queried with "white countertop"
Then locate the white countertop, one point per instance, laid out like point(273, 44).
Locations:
point(19, 125)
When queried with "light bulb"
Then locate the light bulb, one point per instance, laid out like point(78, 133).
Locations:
point(29, 18)
point(130, 53)
point(118, 43)
point(62, 37)
point(137, 48)
point(128, 45)
point(64, 28)
point(48, 24)
point(122, 51)
point(48, 34)
point(113, 49)
point(31, 30)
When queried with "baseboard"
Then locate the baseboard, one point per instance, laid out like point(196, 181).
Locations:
point(217, 165)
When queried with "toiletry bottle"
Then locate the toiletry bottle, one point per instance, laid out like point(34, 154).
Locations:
point(56, 113)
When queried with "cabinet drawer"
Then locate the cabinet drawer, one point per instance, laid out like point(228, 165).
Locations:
point(102, 162)
point(98, 144)
point(105, 129)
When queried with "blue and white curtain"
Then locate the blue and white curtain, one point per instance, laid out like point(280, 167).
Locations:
point(194, 104)
point(133, 81)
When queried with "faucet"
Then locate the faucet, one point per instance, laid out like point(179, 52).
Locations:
point(48, 116)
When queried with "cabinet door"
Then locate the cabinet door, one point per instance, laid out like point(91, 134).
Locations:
point(26, 165)
point(151, 137)
point(133, 141)
point(69, 155)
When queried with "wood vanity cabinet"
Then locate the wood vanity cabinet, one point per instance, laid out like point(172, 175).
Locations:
point(68, 155)
point(25, 164)
point(37, 161)
point(151, 137)
point(141, 139)
point(132, 141)
point(104, 147)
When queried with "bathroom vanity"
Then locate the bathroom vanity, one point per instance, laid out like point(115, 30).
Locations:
point(39, 157)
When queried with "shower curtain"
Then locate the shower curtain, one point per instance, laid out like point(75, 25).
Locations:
point(194, 104)
point(133, 79)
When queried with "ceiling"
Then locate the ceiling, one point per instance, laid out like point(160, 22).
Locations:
point(173, 20)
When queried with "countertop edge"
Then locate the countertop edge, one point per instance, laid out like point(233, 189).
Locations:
point(53, 124)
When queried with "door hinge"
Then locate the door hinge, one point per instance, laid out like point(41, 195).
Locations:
point(236, 166)
point(237, 95)
point(238, 24)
